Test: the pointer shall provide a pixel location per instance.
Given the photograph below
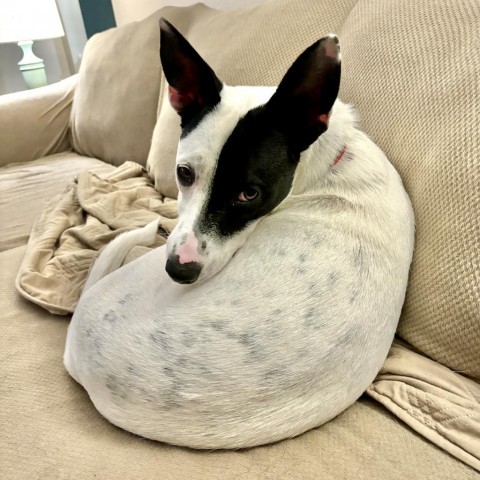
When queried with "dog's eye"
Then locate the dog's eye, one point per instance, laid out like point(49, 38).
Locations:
point(185, 175)
point(248, 195)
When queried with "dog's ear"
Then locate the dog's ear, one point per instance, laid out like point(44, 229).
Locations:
point(300, 107)
point(193, 85)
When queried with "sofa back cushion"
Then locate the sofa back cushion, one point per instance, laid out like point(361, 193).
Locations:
point(115, 104)
point(412, 70)
point(248, 46)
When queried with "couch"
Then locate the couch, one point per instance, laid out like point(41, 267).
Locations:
point(411, 68)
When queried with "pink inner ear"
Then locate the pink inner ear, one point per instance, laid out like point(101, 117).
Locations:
point(180, 101)
point(324, 118)
point(332, 48)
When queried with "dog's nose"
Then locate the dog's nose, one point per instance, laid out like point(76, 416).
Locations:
point(182, 272)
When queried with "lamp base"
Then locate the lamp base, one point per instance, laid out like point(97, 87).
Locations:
point(32, 67)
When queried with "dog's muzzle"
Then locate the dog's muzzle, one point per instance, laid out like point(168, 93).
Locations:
point(182, 272)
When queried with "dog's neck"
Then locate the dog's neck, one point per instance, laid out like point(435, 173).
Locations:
point(318, 163)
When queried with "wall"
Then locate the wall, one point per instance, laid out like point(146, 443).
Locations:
point(128, 11)
point(74, 29)
point(61, 55)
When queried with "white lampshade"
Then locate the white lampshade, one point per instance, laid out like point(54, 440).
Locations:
point(29, 20)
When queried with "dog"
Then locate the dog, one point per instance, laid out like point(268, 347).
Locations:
point(275, 300)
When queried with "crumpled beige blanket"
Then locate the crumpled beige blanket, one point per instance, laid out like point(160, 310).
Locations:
point(76, 224)
point(439, 404)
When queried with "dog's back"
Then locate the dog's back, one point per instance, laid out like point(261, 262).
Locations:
point(285, 333)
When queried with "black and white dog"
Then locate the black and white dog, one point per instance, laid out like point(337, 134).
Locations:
point(274, 303)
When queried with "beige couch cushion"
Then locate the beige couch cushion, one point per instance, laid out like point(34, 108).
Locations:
point(50, 429)
point(412, 69)
point(34, 123)
point(250, 46)
point(28, 187)
point(115, 104)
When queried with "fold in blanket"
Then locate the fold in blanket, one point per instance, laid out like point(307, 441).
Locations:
point(439, 404)
point(76, 224)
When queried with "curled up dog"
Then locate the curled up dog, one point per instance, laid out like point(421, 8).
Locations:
point(274, 303)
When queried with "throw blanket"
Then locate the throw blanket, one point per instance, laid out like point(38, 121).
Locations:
point(436, 402)
point(439, 404)
point(76, 224)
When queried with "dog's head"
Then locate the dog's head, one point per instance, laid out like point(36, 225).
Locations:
point(239, 147)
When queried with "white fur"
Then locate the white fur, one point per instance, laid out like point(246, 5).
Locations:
point(286, 335)
point(117, 250)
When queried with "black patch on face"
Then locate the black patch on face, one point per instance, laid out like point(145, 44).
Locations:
point(193, 118)
point(255, 155)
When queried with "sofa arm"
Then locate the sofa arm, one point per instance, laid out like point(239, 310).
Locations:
point(35, 123)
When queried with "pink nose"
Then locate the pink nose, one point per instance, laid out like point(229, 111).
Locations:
point(188, 251)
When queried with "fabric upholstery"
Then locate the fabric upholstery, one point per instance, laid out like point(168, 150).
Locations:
point(250, 46)
point(412, 69)
point(34, 123)
point(78, 223)
point(115, 104)
point(27, 187)
point(50, 429)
